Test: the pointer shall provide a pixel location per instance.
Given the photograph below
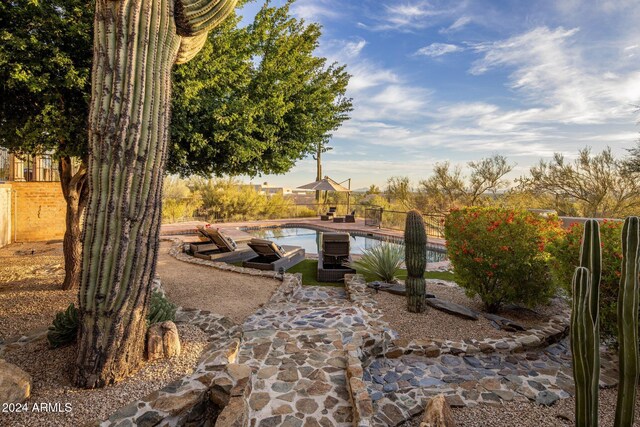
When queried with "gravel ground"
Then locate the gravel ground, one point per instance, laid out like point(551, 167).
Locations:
point(30, 278)
point(234, 295)
point(432, 323)
point(531, 414)
point(50, 372)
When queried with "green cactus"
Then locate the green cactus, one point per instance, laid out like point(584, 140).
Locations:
point(585, 335)
point(64, 329)
point(415, 244)
point(628, 323)
point(136, 44)
point(160, 309)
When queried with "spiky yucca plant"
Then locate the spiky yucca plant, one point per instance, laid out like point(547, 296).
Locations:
point(382, 261)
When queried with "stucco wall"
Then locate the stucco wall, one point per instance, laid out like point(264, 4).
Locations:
point(5, 214)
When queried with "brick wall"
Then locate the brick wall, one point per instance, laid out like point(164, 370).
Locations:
point(37, 211)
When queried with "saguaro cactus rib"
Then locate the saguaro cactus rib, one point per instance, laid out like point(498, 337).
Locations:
point(628, 323)
point(135, 45)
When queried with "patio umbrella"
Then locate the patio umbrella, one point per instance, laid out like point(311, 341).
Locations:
point(328, 184)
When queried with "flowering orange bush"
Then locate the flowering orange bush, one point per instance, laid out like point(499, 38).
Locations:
point(501, 254)
point(566, 256)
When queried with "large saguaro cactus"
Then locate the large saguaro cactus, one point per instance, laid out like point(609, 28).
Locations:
point(136, 43)
point(628, 323)
point(585, 337)
point(415, 247)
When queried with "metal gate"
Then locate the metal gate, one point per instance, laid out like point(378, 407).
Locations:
point(373, 216)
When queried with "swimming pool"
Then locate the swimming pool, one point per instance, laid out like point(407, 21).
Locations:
point(309, 238)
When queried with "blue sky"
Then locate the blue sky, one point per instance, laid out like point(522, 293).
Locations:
point(436, 81)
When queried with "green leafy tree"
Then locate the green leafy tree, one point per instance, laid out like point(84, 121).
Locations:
point(255, 101)
point(45, 60)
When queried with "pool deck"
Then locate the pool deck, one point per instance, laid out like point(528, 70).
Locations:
point(233, 229)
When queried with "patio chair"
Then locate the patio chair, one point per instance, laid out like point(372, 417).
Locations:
point(332, 210)
point(350, 217)
point(218, 247)
point(333, 256)
point(273, 257)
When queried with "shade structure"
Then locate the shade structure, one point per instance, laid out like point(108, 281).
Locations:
point(327, 184)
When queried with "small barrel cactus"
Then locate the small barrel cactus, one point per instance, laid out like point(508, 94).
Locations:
point(415, 244)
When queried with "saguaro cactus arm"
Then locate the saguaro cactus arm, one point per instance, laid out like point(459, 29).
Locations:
point(628, 323)
point(194, 17)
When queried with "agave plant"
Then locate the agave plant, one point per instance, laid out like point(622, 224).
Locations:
point(382, 261)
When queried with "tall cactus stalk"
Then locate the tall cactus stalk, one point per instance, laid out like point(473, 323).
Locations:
point(585, 335)
point(415, 244)
point(628, 323)
point(136, 43)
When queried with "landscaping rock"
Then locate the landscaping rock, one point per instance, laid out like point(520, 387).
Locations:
point(437, 413)
point(504, 323)
point(15, 384)
point(163, 341)
point(453, 308)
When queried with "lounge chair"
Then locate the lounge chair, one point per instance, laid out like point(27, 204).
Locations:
point(218, 247)
point(273, 257)
point(334, 254)
point(350, 217)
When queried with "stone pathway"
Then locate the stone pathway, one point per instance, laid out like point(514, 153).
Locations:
point(295, 347)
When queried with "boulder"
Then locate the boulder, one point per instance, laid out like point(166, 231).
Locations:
point(163, 341)
point(438, 413)
point(453, 308)
point(15, 384)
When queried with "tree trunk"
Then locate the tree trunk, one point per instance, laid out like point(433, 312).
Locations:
point(135, 46)
point(319, 171)
point(75, 191)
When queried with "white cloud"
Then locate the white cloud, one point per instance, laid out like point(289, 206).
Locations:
point(315, 11)
point(457, 25)
point(438, 49)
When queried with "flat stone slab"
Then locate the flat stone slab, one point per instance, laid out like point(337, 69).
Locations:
point(504, 323)
point(453, 308)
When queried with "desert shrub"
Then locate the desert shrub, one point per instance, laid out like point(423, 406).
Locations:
point(382, 261)
point(64, 328)
point(501, 254)
point(566, 256)
point(160, 309)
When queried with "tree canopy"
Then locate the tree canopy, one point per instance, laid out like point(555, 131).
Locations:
point(256, 99)
point(45, 65)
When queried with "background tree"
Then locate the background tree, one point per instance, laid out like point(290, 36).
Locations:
point(45, 60)
point(447, 187)
point(399, 191)
point(221, 99)
point(600, 184)
point(255, 100)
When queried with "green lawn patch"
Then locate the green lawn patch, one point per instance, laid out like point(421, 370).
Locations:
point(309, 268)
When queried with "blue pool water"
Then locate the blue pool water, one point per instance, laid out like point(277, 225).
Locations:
point(308, 238)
